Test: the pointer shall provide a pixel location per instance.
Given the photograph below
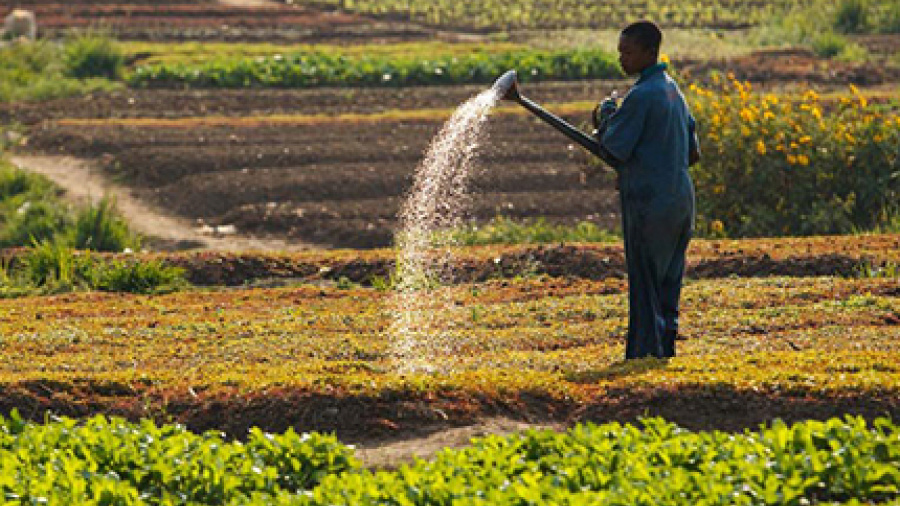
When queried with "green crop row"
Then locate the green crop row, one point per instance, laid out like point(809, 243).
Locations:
point(110, 461)
point(310, 69)
point(496, 14)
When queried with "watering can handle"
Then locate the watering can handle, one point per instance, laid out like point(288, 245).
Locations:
point(507, 87)
point(588, 142)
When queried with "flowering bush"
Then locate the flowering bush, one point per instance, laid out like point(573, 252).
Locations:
point(798, 166)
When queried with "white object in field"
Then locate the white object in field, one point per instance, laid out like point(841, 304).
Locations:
point(20, 23)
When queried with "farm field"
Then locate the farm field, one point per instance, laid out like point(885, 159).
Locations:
point(329, 166)
point(209, 20)
point(302, 122)
point(539, 340)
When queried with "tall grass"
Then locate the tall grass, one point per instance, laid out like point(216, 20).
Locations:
point(42, 70)
point(93, 54)
point(100, 228)
point(52, 266)
point(30, 211)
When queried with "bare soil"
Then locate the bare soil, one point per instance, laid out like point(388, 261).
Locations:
point(337, 183)
point(220, 20)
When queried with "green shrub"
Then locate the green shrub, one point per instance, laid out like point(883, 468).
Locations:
point(100, 228)
point(51, 263)
point(829, 44)
point(30, 211)
point(851, 16)
point(52, 266)
point(133, 276)
point(91, 54)
point(890, 19)
point(32, 220)
point(14, 182)
point(39, 71)
point(792, 166)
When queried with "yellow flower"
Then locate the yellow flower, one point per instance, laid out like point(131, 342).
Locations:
point(719, 189)
point(761, 147)
point(747, 115)
point(791, 159)
point(664, 58)
point(803, 160)
point(717, 226)
point(768, 116)
point(811, 96)
point(806, 139)
point(817, 113)
point(794, 145)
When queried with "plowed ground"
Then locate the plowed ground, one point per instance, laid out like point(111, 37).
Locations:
point(209, 20)
point(312, 174)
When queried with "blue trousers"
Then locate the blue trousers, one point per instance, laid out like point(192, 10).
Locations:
point(657, 227)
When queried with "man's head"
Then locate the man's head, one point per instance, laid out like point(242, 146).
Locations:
point(639, 46)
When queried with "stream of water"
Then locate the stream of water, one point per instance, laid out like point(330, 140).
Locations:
point(424, 311)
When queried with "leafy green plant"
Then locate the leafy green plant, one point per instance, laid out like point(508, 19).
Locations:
point(110, 461)
point(851, 16)
point(30, 211)
point(310, 69)
point(625, 464)
point(134, 276)
point(37, 71)
point(51, 263)
point(829, 44)
point(100, 228)
point(92, 54)
point(813, 169)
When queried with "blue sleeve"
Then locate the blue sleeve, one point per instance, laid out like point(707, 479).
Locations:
point(625, 127)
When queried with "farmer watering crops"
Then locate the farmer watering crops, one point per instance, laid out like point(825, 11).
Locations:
point(650, 140)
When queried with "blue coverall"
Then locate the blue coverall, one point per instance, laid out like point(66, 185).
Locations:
point(652, 134)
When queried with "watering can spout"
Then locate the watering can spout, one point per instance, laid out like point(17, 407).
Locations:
point(507, 86)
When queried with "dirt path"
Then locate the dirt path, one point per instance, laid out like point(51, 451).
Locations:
point(83, 183)
point(389, 455)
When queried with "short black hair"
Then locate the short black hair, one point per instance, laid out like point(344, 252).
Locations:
point(645, 33)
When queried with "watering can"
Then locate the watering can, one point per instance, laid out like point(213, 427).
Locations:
point(507, 87)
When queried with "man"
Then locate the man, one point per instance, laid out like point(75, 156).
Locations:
point(650, 140)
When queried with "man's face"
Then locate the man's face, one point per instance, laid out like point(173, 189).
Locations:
point(633, 57)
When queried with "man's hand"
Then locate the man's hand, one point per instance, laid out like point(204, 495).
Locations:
point(604, 110)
